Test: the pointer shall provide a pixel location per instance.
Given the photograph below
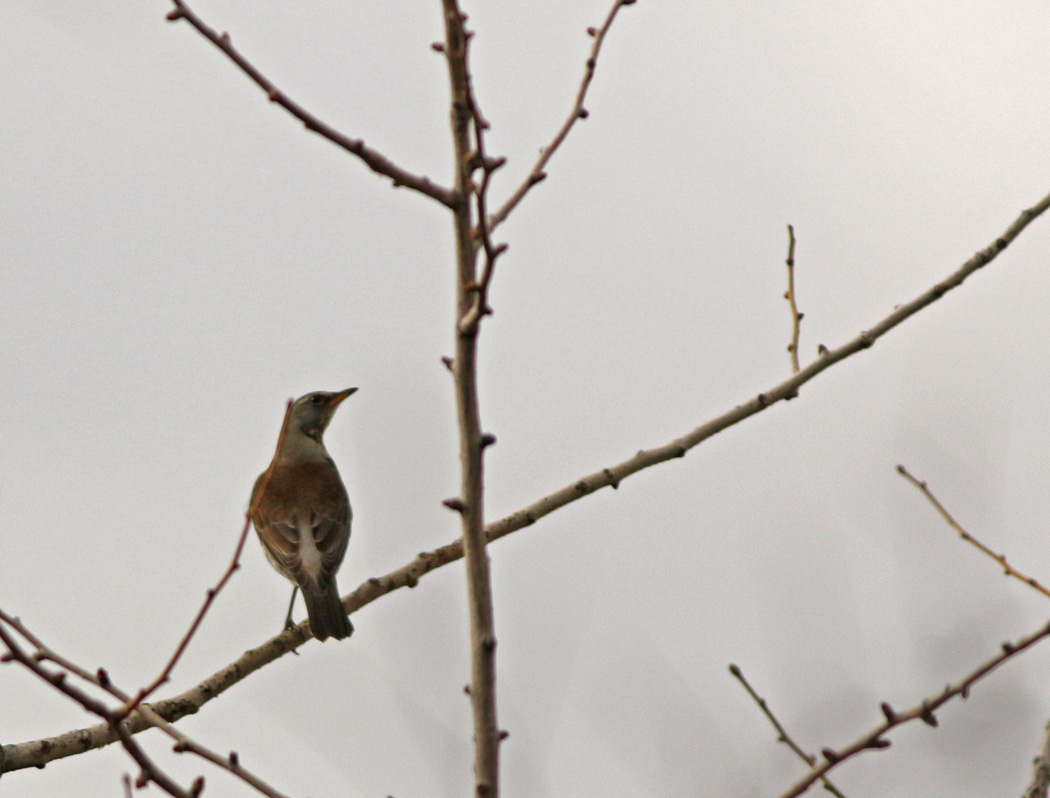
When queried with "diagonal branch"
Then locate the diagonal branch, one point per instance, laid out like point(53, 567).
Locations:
point(578, 112)
point(57, 679)
point(38, 752)
point(1008, 569)
point(42, 654)
point(373, 159)
point(782, 734)
point(874, 740)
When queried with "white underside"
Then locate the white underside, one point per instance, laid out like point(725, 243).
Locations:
point(309, 553)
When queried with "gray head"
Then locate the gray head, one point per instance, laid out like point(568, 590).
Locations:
point(312, 412)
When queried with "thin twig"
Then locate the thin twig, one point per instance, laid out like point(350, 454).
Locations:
point(373, 159)
point(235, 563)
point(1008, 569)
point(578, 112)
point(796, 317)
point(35, 753)
point(782, 734)
point(480, 159)
point(58, 679)
point(100, 679)
point(924, 711)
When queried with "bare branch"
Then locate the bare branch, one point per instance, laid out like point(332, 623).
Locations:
point(578, 112)
point(59, 680)
point(100, 679)
point(480, 159)
point(38, 752)
point(875, 739)
point(796, 317)
point(373, 159)
point(782, 734)
point(472, 441)
point(1008, 569)
point(1041, 769)
point(612, 476)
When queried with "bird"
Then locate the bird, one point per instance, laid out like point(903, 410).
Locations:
point(301, 512)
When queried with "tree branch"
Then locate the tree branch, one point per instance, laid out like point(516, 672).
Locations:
point(1040, 783)
point(42, 653)
point(150, 771)
point(782, 735)
point(578, 112)
point(373, 159)
point(38, 752)
point(1008, 569)
point(874, 739)
point(472, 442)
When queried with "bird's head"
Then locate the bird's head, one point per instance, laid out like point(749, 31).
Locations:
point(312, 412)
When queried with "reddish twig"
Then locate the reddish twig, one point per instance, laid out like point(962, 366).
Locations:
point(58, 679)
point(374, 160)
point(924, 711)
point(100, 679)
point(578, 112)
point(235, 563)
point(1008, 569)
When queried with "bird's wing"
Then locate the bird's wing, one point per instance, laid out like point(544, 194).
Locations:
point(277, 533)
point(331, 534)
point(313, 495)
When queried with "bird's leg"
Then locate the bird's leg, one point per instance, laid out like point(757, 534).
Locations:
point(288, 623)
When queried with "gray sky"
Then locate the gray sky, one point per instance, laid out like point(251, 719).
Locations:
point(178, 257)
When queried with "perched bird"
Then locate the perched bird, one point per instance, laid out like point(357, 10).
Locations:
point(303, 515)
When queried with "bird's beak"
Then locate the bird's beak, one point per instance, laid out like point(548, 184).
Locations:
point(339, 397)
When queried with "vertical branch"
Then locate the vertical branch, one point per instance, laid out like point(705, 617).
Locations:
point(1040, 783)
point(472, 442)
point(796, 317)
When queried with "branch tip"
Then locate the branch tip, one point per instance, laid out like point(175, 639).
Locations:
point(456, 504)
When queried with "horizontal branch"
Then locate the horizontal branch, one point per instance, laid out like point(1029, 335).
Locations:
point(373, 159)
point(38, 752)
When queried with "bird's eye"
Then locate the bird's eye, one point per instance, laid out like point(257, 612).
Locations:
point(316, 399)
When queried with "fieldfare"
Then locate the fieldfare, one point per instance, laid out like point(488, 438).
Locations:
point(303, 516)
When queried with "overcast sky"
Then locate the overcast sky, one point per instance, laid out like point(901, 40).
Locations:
point(178, 257)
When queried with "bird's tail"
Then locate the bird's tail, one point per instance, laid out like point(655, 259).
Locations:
point(327, 616)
